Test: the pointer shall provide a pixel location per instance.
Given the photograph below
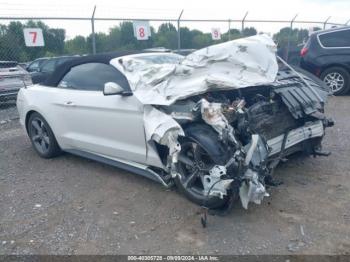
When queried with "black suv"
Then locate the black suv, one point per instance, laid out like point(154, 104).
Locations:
point(45, 69)
point(326, 54)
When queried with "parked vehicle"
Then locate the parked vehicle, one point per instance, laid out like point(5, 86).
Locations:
point(157, 49)
point(46, 68)
point(216, 123)
point(326, 54)
point(184, 51)
point(35, 65)
point(12, 78)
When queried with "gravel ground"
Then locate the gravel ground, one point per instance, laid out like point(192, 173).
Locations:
point(70, 205)
point(8, 112)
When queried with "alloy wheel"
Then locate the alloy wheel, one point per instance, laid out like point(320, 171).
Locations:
point(194, 164)
point(39, 135)
point(335, 81)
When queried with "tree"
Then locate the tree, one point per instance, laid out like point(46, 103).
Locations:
point(234, 34)
point(166, 36)
point(114, 38)
point(201, 40)
point(120, 37)
point(249, 31)
point(295, 37)
point(77, 45)
point(13, 46)
point(13, 43)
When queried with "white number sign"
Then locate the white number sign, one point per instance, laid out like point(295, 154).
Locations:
point(215, 34)
point(142, 30)
point(141, 33)
point(33, 37)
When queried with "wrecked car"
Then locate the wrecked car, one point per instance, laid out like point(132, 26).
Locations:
point(215, 123)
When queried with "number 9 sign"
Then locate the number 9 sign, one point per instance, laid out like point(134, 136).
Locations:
point(215, 34)
point(33, 37)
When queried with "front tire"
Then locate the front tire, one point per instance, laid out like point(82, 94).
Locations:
point(337, 79)
point(192, 157)
point(42, 137)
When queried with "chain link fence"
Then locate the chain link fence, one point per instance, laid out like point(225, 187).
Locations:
point(97, 35)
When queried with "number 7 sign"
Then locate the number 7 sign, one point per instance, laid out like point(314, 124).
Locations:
point(33, 37)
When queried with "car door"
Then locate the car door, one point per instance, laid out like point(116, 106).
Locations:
point(110, 126)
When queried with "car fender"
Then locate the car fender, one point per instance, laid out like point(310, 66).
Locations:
point(209, 140)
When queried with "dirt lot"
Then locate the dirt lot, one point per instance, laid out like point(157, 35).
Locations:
point(69, 205)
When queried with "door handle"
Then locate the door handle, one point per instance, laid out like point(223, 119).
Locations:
point(69, 103)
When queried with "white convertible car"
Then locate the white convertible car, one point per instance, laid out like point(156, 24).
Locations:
point(216, 123)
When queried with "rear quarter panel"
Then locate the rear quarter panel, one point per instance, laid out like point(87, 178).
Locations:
point(37, 98)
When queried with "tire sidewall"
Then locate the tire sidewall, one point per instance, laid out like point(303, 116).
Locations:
point(53, 146)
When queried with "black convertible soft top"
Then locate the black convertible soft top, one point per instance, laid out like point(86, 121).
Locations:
point(104, 58)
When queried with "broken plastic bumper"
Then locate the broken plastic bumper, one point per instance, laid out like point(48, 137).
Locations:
point(295, 136)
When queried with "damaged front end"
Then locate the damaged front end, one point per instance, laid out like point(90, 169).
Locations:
point(254, 132)
point(227, 116)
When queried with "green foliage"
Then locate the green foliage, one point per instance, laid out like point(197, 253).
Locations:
point(77, 45)
point(12, 46)
point(201, 40)
point(231, 35)
point(120, 37)
point(166, 36)
point(249, 31)
point(295, 36)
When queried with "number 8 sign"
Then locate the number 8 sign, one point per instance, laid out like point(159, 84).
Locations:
point(33, 37)
point(141, 32)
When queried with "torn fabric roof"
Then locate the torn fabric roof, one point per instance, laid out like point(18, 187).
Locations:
point(239, 63)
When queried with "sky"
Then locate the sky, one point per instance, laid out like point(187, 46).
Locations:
point(307, 10)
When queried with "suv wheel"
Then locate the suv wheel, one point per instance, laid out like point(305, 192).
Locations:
point(42, 137)
point(337, 79)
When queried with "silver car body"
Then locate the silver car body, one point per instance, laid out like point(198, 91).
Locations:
point(12, 78)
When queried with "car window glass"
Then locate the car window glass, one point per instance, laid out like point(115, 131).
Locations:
point(92, 77)
point(336, 39)
point(33, 66)
point(49, 66)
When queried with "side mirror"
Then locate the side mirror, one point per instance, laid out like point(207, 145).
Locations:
point(112, 88)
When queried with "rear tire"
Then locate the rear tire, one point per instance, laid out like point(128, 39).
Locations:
point(337, 79)
point(42, 137)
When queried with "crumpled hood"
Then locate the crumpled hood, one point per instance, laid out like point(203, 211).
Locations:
point(239, 63)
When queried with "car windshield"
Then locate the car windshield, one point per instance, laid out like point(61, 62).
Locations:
point(161, 58)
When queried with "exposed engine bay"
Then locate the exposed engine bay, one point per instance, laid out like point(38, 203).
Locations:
point(256, 130)
point(244, 114)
